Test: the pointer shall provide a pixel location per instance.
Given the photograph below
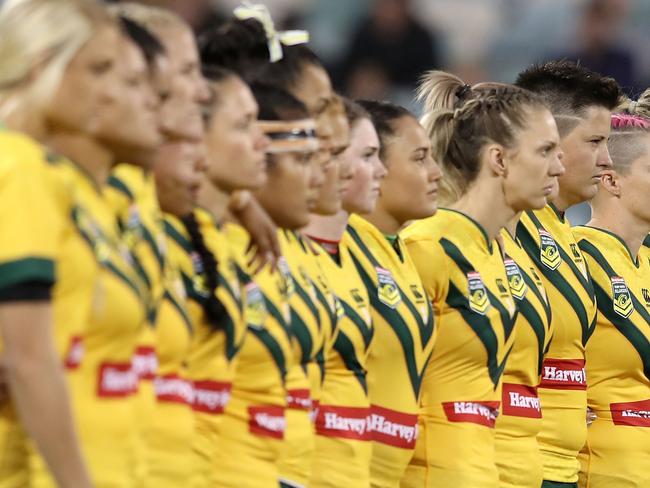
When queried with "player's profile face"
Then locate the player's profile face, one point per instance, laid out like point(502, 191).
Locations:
point(92, 72)
point(585, 156)
point(178, 172)
point(235, 143)
point(534, 163)
point(635, 184)
point(410, 189)
point(367, 169)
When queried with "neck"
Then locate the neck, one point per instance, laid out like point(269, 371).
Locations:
point(511, 226)
point(563, 202)
point(328, 227)
point(213, 199)
point(618, 221)
point(95, 158)
point(492, 217)
point(387, 223)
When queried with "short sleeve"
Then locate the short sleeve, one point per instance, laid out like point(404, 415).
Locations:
point(431, 263)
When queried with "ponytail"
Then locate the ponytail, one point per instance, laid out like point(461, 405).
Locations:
point(214, 309)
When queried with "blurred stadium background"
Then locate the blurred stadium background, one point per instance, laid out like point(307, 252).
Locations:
point(379, 48)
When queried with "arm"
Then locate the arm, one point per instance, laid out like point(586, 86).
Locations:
point(36, 381)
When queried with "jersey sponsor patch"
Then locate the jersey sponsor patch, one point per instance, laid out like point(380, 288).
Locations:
point(564, 374)
point(299, 399)
point(173, 389)
point(516, 281)
point(75, 353)
point(393, 428)
point(210, 396)
point(478, 297)
point(632, 414)
point(267, 421)
point(343, 422)
point(255, 312)
point(286, 286)
point(520, 401)
point(115, 380)
point(549, 253)
point(481, 413)
point(622, 301)
point(387, 290)
point(145, 362)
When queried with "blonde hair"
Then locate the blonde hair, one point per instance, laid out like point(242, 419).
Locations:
point(39, 39)
point(640, 107)
point(460, 119)
point(155, 19)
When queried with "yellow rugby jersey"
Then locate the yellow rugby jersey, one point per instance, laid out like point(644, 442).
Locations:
point(36, 233)
point(343, 447)
point(517, 453)
point(210, 358)
point(309, 309)
point(169, 433)
point(465, 277)
point(253, 425)
point(547, 238)
point(132, 193)
point(617, 452)
point(403, 342)
point(103, 382)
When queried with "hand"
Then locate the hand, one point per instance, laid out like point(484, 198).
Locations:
point(591, 416)
point(264, 245)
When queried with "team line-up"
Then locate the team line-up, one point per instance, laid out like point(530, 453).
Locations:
point(216, 272)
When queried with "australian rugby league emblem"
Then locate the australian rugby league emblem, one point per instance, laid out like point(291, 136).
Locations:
point(478, 297)
point(621, 297)
point(387, 290)
point(549, 253)
point(516, 281)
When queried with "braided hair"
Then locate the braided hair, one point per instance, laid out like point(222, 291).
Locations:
point(209, 267)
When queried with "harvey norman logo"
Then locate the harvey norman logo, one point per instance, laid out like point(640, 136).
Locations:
point(564, 374)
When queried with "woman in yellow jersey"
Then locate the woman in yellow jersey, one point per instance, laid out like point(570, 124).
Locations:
point(254, 423)
point(517, 452)
point(95, 335)
point(343, 448)
point(242, 46)
point(617, 451)
point(402, 314)
point(581, 102)
point(462, 268)
point(206, 261)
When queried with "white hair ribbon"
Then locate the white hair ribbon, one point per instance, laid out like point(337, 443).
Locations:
point(275, 39)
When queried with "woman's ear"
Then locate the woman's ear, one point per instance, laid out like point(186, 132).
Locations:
point(496, 160)
point(611, 181)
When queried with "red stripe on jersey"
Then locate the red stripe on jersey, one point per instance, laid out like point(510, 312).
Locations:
point(343, 422)
point(145, 362)
point(521, 401)
point(173, 389)
point(397, 429)
point(75, 353)
point(564, 374)
point(267, 421)
point(299, 399)
point(115, 380)
point(211, 396)
point(481, 413)
point(634, 414)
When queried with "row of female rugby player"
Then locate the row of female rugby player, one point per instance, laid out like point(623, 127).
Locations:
point(355, 335)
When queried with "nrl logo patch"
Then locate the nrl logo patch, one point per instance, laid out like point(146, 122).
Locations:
point(387, 290)
point(255, 307)
point(516, 281)
point(286, 286)
point(549, 254)
point(478, 297)
point(622, 300)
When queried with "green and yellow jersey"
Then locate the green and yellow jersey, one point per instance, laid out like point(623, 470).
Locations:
point(102, 381)
point(403, 341)
point(464, 274)
point(617, 452)
point(252, 429)
point(517, 453)
point(210, 358)
point(547, 238)
point(343, 447)
point(309, 312)
point(35, 231)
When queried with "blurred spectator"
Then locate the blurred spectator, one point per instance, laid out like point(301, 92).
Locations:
point(599, 45)
point(389, 50)
point(200, 14)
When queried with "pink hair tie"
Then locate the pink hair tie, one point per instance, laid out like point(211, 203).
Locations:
point(626, 121)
